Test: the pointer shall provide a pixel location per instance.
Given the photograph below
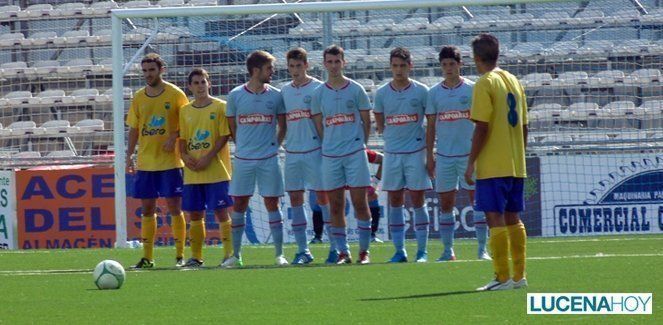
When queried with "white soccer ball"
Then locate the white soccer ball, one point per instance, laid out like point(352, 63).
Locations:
point(108, 274)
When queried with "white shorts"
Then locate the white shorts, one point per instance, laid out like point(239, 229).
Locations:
point(303, 171)
point(405, 171)
point(348, 171)
point(450, 172)
point(265, 172)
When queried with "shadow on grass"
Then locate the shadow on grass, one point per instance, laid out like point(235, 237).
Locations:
point(427, 295)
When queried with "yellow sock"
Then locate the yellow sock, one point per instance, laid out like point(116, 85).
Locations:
point(518, 240)
point(499, 246)
point(148, 229)
point(178, 225)
point(226, 239)
point(197, 237)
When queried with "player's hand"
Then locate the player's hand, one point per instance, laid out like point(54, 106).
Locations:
point(203, 162)
point(169, 145)
point(189, 161)
point(469, 173)
point(430, 166)
point(130, 165)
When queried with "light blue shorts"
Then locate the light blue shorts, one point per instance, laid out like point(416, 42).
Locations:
point(450, 172)
point(303, 171)
point(405, 171)
point(348, 171)
point(264, 172)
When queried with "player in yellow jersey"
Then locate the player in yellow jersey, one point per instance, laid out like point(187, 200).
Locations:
point(153, 126)
point(499, 110)
point(203, 142)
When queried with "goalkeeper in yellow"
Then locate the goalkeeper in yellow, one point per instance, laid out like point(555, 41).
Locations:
point(153, 126)
point(499, 110)
point(203, 145)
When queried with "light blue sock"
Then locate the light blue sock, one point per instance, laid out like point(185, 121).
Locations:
point(339, 236)
point(276, 226)
point(397, 227)
point(326, 218)
point(299, 227)
point(238, 222)
point(364, 230)
point(481, 228)
point(421, 228)
point(447, 224)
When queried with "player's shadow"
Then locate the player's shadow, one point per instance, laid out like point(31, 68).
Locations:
point(427, 295)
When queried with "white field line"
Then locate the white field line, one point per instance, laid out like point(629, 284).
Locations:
point(533, 258)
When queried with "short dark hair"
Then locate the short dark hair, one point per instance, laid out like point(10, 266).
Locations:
point(153, 58)
point(298, 54)
point(401, 53)
point(486, 47)
point(198, 72)
point(333, 50)
point(449, 52)
point(257, 59)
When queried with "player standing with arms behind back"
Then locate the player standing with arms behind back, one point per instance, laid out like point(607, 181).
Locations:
point(204, 134)
point(499, 110)
point(400, 105)
point(254, 110)
point(342, 105)
point(153, 126)
point(448, 113)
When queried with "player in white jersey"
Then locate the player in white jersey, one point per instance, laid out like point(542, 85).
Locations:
point(344, 107)
point(254, 109)
point(303, 157)
point(448, 115)
point(399, 111)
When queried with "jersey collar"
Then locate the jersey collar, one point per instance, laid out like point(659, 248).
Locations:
point(402, 90)
point(265, 89)
point(462, 81)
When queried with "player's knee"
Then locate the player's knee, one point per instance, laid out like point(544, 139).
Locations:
point(296, 198)
point(395, 200)
point(196, 215)
point(222, 215)
point(240, 204)
point(272, 203)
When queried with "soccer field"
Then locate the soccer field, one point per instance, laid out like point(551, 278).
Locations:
point(56, 286)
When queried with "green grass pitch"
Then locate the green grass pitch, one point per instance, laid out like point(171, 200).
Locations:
point(56, 286)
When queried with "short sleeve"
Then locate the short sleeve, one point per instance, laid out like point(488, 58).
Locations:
point(482, 105)
point(132, 116)
point(316, 106)
point(181, 99)
point(378, 107)
point(181, 123)
point(524, 105)
point(363, 102)
point(224, 128)
point(230, 105)
point(430, 105)
point(280, 105)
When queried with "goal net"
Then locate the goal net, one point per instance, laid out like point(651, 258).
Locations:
point(591, 70)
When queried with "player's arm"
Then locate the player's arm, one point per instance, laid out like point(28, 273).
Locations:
point(189, 161)
point(525, 131)
point(233, 127)
point(317, 119)
point(379, 122)
point(169, 145)
point(430, 145)
point(366, 119)
point(282, 128)
point(479, 138)
point(131, 148)
point(206, 159)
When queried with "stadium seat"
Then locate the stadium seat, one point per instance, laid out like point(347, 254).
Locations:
point(446, 23)
point(606, 78)
point(368, 84)
point(99, 8)
point(22, 127)
point(100, 36)
point(139, 34)
point(587, 16)
point(39, 38)
point(42, 68)
point(103, 67)
point(170, 3)
point(55, 126)
point(632, 47)
point(601, 47)
point(563, 48)
point(525, 50)
point(89, 125)
point(9, 11)
point(4, 132)
point(623, 16)
point(412, 24)
point(137, 4)
point(651, 114)
point(653, 16)
point(72, 37)
point(47, 97)
point(36, 10)
point(68, 9)
point(11, 39)
point(376, 26)
point(429, 81)
point(515, 20)
point(536, 79)
point(76, 66)
point(570, 78)
point(307, 28)
point(61, 154)
point(546, 107)
point(203, 2)
point(26, 155)
point(346, 26)
point(173, 33)
point(551, 18)
point(647, 75)
point(81, 96)
point(481, 21)
point(16, 98)
point(12, 69)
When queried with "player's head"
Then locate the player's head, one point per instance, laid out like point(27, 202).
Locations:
point(450, 61)
point(199, 83)
point(297, 62)
point(260, 66)
point(153, 66)
point(486, 49)
point(334, 60)
point(400, 61)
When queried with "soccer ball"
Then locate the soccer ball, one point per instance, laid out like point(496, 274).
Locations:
point(108, 274)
